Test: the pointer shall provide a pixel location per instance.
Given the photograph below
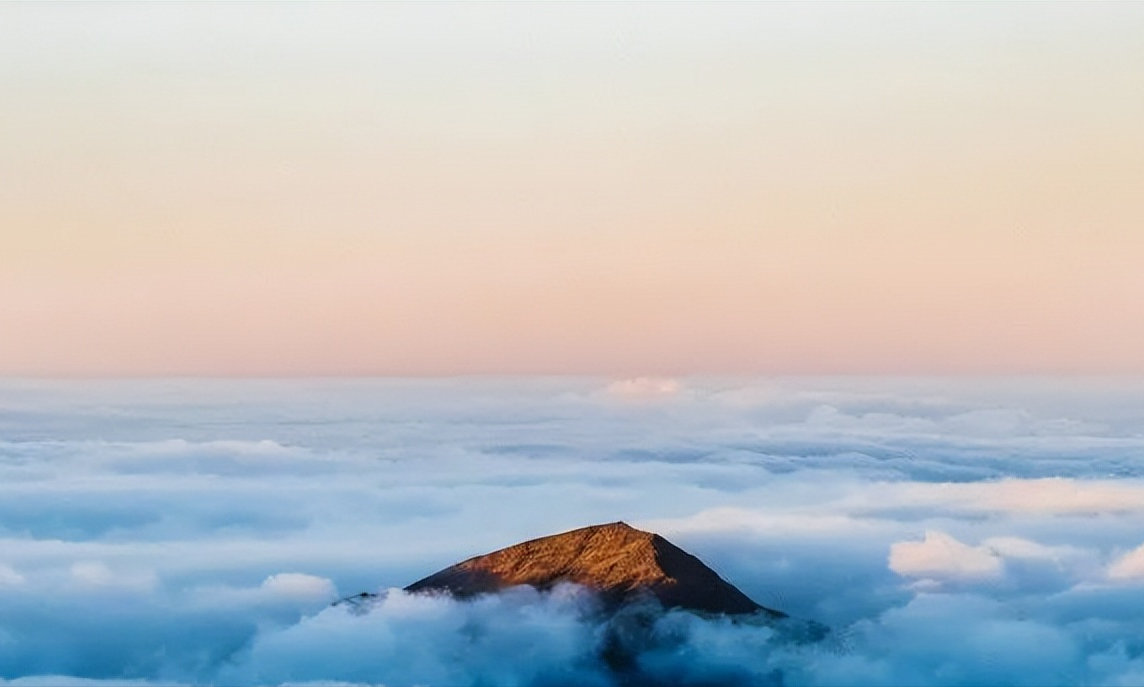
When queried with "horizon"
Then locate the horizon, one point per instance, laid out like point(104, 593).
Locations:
point(231, 190)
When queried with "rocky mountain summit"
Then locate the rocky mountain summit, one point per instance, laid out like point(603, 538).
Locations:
point(619, 562)
point(639, 576)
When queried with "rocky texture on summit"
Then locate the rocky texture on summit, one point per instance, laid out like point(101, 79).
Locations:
point(639, 576)
point(617, 561)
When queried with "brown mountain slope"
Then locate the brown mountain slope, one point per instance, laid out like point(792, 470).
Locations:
point(617, 560)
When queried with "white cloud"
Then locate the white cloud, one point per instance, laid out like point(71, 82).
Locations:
point(9, 577)
point(1055, 495)
point(409, 639)
point(1048, 496)
point(296, 591)
point(300, 586)
point(747, 520)
point(97, 575)
point(644, 387)
point(941, 556)
point(1130, 566)
point(92, 574)
point(1018, 548)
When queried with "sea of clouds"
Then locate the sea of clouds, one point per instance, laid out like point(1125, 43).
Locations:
point(949, 532)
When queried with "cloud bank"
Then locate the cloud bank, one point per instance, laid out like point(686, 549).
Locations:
point(948, 532)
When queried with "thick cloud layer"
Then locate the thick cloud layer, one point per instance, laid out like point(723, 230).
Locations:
point(948, 532)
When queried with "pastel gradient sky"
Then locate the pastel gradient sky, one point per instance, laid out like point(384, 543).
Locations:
point(627, 189)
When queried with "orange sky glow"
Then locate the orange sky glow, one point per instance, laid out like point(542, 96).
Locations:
point(259, 189)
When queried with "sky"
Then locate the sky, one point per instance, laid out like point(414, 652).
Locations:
point(950, 532)
point(258, 189)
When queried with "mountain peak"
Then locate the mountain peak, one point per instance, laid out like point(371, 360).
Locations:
point(616, 560)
